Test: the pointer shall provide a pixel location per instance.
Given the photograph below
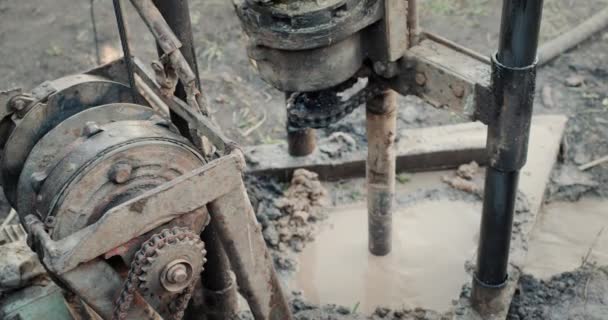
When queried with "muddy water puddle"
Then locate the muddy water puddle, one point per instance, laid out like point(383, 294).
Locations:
point(432, 241)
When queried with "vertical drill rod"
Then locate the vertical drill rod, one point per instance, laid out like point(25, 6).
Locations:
point(380, 170)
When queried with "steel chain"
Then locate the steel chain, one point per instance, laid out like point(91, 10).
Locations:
point(323, 108)
point(149, 249)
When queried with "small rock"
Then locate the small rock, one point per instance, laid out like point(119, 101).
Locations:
point(575, 80)
point(271, 236)
point(468, 171)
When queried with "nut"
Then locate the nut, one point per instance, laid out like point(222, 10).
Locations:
point(120, 172)
point(177, 274)
point(90, 129)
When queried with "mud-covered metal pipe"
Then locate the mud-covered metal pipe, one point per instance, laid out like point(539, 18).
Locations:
point(300, 141)
point(513, 83)
point(380, 170)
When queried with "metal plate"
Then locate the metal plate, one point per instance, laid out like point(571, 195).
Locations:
point(73, 94)
point(50, 148)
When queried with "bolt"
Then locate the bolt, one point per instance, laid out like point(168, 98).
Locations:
point(18, 105)
point(37, 179)
point(458, 90)
point(177, 274)
point(120, 172)
point(420, 79)
point(90, 129)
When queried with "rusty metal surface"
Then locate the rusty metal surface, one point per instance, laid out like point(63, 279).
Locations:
point(204, 126)
point(48, 150)
point(251, 262)
point(380, 170)
point(170, 45)
point(301, 142)
point(147, 211)
point(69, 96)
point(312, 69)
point(98, 284)
point(445, 78)
point(83, 184)
point(306, 25)
point(164, 271)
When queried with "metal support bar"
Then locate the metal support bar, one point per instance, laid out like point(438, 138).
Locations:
point(170, 45)
point(177, 15)
point(445, 76)
point(380, 170)
point(124, 41)
point(220, 296)
point(513, 82)
point(242, 238)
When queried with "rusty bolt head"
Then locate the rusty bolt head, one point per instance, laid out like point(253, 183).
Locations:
point(18, 105)
point(90, 129)
point(420, 79)
point(120, 172)
point(458, 90)
point(177, 274)
point(37, 179)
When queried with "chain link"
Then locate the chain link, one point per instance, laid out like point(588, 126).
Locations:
point(320, 109)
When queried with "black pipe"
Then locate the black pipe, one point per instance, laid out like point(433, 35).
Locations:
point(513, 84)
point(519, 32)
point(496, 221)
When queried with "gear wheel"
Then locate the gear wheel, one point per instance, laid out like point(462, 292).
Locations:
point(176, 261)
point(165, 271)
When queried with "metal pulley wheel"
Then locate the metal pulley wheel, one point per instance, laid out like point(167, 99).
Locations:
point(75, 159)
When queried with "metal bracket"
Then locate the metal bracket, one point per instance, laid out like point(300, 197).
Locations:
point(446, 77)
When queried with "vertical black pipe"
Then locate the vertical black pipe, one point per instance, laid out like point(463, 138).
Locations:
point(513, 83)
point(497, 219)
point(519, 32)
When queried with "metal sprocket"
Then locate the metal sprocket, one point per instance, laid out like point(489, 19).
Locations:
point(174, 244)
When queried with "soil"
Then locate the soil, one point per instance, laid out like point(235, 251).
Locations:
point(44, 40)
point(580, 294)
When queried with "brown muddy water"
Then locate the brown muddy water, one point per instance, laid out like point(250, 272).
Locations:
point(432, 241)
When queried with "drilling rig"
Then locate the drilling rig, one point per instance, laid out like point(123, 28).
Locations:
point(133, 198)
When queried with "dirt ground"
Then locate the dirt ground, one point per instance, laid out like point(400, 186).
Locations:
point(42, 40)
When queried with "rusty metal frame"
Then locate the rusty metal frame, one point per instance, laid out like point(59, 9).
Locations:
point(218, 185)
